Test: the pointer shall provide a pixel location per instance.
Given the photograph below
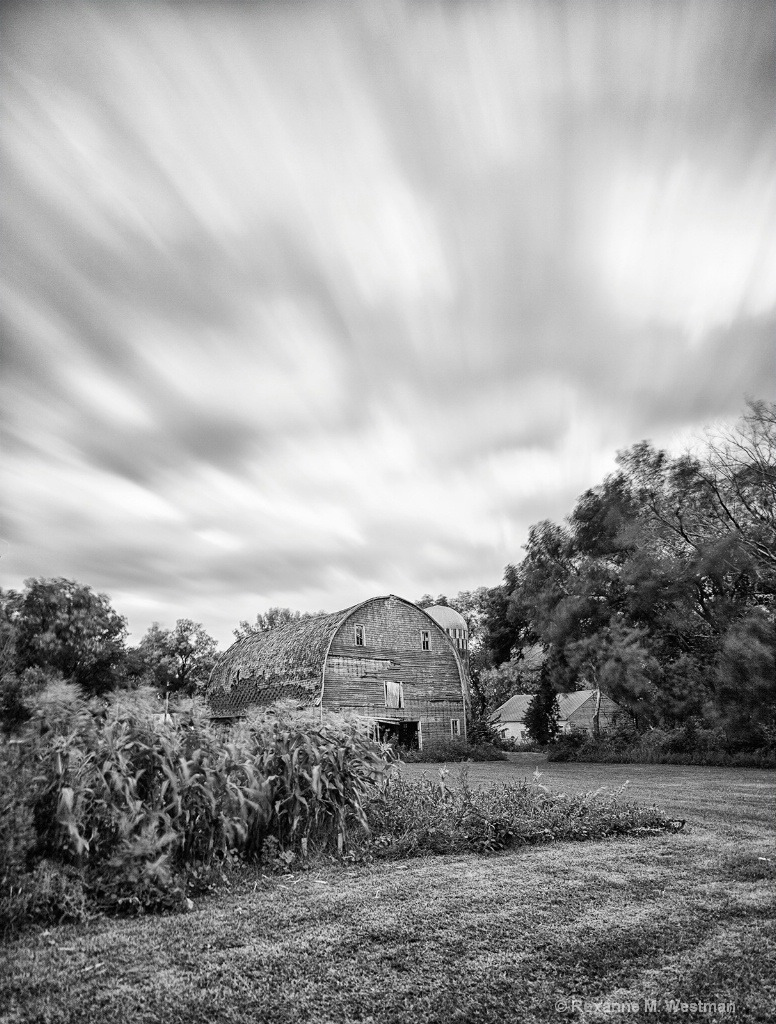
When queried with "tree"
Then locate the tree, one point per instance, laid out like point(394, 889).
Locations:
point(737, 481)
point(179, 659)
point(542, 714)
point(617, 661)
point(270, 619)
point(64, 627)
point(643, 587)
point(746, 678)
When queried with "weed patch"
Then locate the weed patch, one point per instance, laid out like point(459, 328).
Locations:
point(417, 816)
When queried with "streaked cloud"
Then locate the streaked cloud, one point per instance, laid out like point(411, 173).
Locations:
point(306, 302)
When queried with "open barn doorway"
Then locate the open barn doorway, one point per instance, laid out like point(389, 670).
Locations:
point(399, 734)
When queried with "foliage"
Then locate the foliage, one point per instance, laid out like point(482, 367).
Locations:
point(659, 588)
point(146, 812)
point(179, 659)
point(271, 619)
point(690, 744)
point(542, 714)
point(481, 731)
point(62, 627)
point(584, 918)
point(413, 817)
point(453, 750)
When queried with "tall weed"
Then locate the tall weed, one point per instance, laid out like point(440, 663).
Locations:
point(433, 815)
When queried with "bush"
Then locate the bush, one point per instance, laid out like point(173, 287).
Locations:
point(693, 746)
point(566, 747)
point(414, 817)
point(452, 750)
point(524, 746)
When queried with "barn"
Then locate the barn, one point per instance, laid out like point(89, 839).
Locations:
point(384, 659)
point(577, 710)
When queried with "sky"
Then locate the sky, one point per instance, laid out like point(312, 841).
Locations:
point(304, 303)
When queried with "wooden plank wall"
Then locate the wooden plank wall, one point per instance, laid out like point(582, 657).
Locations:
point(582, 718)
point(354, 676)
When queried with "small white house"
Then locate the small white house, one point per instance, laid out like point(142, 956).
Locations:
point(577, 710)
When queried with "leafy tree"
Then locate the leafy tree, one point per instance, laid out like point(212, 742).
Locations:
point(746, 678)
point(63, 627)
point(541, 716)
point(617, 661)
point(653, 579)
point(270, 619)
point(179, 659)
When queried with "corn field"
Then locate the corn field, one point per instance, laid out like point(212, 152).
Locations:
point(146, 811)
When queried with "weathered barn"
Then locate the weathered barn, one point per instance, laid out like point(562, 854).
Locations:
point(577, 710)
point(384, 659)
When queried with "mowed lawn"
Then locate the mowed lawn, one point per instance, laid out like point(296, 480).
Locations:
point(572, 931)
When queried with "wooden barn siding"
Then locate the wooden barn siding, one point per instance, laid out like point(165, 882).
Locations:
point(354, 676)
point(582, 718)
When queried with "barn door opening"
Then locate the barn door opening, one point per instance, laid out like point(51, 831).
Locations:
point(399, 734)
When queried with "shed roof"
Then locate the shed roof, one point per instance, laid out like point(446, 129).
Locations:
point(448, 618)
point(514, 709)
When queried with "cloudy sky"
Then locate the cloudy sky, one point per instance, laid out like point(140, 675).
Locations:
point(308, 302)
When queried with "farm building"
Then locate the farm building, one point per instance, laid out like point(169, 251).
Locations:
point(576, 713)
point(384, 659)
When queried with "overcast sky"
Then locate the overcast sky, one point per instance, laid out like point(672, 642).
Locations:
point(305, 303)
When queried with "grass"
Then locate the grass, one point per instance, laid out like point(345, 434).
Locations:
point(690, 916)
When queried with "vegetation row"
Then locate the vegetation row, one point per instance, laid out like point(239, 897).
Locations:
point(103, 807)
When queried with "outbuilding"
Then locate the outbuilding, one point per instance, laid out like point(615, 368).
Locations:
point(384, 659)
point(577, 712)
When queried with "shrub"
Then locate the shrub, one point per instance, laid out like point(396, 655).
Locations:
point(524, 746)
point(659, 747)
point(452, 750)
point(566, 747)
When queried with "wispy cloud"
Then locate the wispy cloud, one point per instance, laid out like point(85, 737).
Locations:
point(304, 302)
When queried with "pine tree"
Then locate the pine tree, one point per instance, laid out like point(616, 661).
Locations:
point(541, 717)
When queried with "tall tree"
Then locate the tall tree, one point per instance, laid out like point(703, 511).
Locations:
point(63, 626)
point(654, 575)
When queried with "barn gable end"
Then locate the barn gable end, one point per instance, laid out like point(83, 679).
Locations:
point(433, 679)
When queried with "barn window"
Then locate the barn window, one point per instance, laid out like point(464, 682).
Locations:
point(455, 726)
point(394, 694)
point(359, 633)
point(425, 640)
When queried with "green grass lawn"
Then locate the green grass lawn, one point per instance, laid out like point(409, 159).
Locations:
point(509, 937)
